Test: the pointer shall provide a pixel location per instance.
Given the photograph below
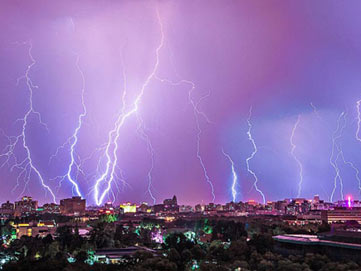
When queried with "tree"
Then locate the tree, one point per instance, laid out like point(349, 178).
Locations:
point(198, 253)
point(178, 241)
point(156, 264)
point(265, 265)
point(238, 250)
point(81, 256)
point(174, 256)
point(261, 242)
point(101, 236)
point(228, 231)
point(65, 237)
point(142, 255)
point(316, 261)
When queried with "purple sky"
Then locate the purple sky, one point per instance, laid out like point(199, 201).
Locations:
point(277, 56)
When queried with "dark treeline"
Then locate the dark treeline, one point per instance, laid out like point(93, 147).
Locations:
point(231, 246)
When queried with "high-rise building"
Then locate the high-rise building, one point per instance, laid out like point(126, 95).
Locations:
point(7, 209)
point(74, 206)
point(172, 201)
point(26, 206)
point(171, 205)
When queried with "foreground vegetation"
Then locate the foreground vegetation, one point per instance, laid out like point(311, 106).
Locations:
point(231, 246)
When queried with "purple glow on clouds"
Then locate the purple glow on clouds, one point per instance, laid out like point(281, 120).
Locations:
point(276, 56)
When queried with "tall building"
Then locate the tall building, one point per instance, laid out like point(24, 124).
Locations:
point(74, 206)
point(172, 201)
point(26, 206)
point(168, 206)
point(171, 205)
point(7, 209)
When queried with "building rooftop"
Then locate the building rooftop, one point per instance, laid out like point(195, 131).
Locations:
point(304, 239)
point(119, 252)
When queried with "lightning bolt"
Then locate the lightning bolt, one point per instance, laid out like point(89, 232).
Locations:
point(146, 138)
point(346, 162)
point(76, 131)
point(73, 139)
point(333, 161)
point(315, 111)
point(234, 176)
point(197, 114)
point(26, 166)
point(295, 157)
point(250, 138)
point(351, 165)
point(108, 174)
point(357, 136)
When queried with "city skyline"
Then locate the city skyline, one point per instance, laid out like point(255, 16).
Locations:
point(347, 202)
point(138, 101)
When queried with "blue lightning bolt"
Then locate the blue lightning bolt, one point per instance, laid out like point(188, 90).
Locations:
point(73, 139)
point(295, 157)
point(358, 138)
point(352, 165)
point(114, 134)
point(107, 146)
point(76, 132)
point(335, 136)
point(234, 176)
point(249, 133)
point(27, 165)
point(346, 162)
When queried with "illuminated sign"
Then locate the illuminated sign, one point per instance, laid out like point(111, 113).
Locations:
point(128, 207)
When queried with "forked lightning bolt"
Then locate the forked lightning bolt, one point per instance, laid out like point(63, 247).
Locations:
point(26, 166)
point(346, 162)
point(357, 136)
point(108, 174)
point(351, 164)
point(249, 133)
point(333, 161)
point(234, 176)
point(76, 132)
point(300, 166)
point(145, 137)
point(73, 140)
point(197, 113)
